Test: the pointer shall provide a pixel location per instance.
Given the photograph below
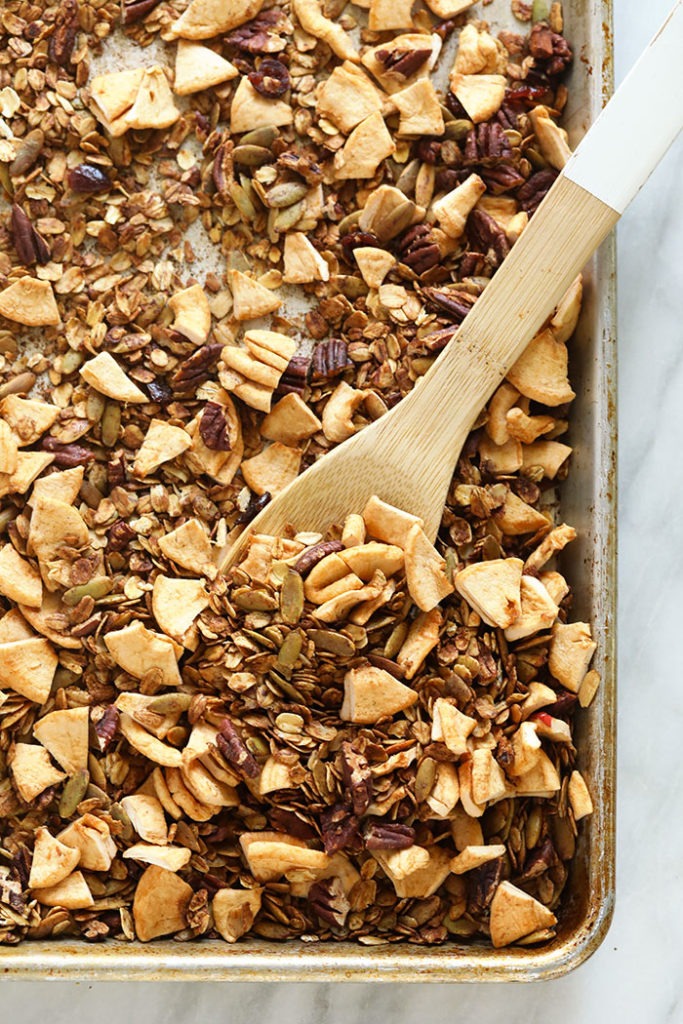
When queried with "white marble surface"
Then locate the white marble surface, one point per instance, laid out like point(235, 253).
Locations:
point(637, 975)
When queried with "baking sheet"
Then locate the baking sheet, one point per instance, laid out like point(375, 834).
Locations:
point(589, 504)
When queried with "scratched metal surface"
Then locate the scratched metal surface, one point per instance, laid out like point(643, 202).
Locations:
point(589, 504)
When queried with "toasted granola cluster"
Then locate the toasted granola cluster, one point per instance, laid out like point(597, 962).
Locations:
point(359, 735)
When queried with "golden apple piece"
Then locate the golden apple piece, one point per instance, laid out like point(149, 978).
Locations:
point(176, 603)
point(19, 580)
point(162, 443)
point(32, 770)
point(204, 19)
point(65, 735)
point(251, 299)
point(272, 469)
point(423, 636)
point(139, 650)
point(450, 726)
point(492, 589)
point(154, 106)
point(234, 911)
point(188, 546)
point(160, 904)
point(426, 576)
point(91, 837)
point(474, 856)
point(388, 523)
point(371, 694)
point(515, 914)
point(30, 302)
point(28, 668)
point(570, 653)
point(290, 421)
point(197, 68)
point(28, 418)
point(147, 817)
point(72, 893)
point(172, 858)
point(417, 871)
point(29, 465)
point(62, 486)
point(147, 745)
point(191, 305)
point(52, 861)
point(105, 375)
point(579, 796)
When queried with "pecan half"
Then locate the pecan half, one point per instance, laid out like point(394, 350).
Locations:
point(418, 250)
point(340, 830)
point(222, 171)
point(234, 750)
point(295, 378)
point(196, 369)
point(487, 237)
point(330, 360)
point(482, 883)
point(379, 835)
point(328, 900)
point(315, 554)
point(550, 50)
point(61, 45)
point(67, 455)
point(403, 62)
point(136, 10)
point(486, 145)
point(30, 245)
point(539, 860)
point(455, 304)
point(107, 727)
point(119, 535)
point(357, 778)
point(534, 191)
point(213, 428)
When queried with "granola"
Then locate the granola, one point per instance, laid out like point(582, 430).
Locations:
point(359, 735)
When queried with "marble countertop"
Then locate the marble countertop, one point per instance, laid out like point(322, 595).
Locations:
point(636, 975)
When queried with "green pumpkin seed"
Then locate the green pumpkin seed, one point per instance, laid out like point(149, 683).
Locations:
point(395, 641)
point(408, 177)
point(252, 156)
point(290, 651)
point(292, 598)
point(242, 201)
point(97, 587)
point(286, 193)
point(170, 703)
point(425, 778)
point(265, 137)
point(458, 129)
point(255, 600)
point(73, 792)
point(332, 643)
point(284, 219)
point(111, 424)
point(257, 746)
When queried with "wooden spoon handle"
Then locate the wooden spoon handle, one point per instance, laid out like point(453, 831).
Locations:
point(581, 208)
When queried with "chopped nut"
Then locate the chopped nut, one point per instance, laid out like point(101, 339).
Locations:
point(192, 314)
point(570, 653)
point(371, 694)
point(204, 19)
point(493, 589)
point(161, 902)
point(251, 110)
point(481, 95)
point(162, 443)
point(65, 735)
point(453, 209)
point(234, 911)
point(303, 262)
point(19, 581)
point(515, 914)
point(420, 109)
point(540, 373)
point(579, 797)
point(139, 650)
point(52, 860)
point(32, 770)
point(30, 302)
point(364, 150)
point(105, 375)
point(197, 68)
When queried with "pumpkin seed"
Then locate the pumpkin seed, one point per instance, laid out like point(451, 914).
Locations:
point(463, 926)
point(242, 201)
point(395, 641)
point(73, 792)
point(332, 643)
point(290, 651)
point(97, 587)
point(286, 193)
point(265, 137)
point(110, 424)
point(292, 598)
point(284, 219)
point(424, 779)
point(255, 600)
point(257, 746)
point(170, 703)
point(118, 814)
point(408, 177)
point(252, 156)
point(458, 129)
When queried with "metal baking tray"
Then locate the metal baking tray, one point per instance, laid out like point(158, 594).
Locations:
point(588, 502)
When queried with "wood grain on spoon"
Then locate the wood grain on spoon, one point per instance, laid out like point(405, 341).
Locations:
point(407, 457)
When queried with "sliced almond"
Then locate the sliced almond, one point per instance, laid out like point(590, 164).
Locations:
point(188, 546)
point(33, 770)
point(147, 818)
point(198, 67)
point(147, 745)
point(139, 650)
point(515, 914)
point(105, 375)
point(172, 858)
point(52, 861)
point(30, 302)
point(160, 904)
point(234, 911)
point(371, 694)
point(65, 735)
point(191, 305)
point(19, 581)
point(272, 469)
point(426, 576)
point(72, 893)
point(92, 838)
point(423, 636)
point(364, 150)
point(28, 668)
point(251, 110)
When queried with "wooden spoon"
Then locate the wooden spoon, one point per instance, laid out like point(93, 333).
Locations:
point(408, 456)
